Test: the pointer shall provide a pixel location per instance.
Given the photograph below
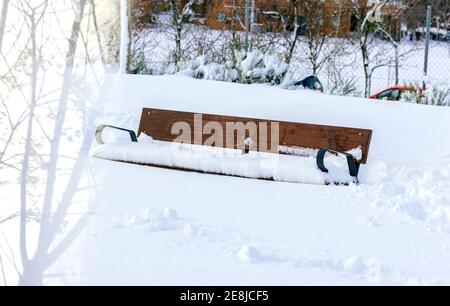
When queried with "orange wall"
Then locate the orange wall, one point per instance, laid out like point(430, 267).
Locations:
point(336, 18)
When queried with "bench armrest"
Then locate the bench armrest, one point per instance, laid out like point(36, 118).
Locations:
point(99, 131)
point(353, 164)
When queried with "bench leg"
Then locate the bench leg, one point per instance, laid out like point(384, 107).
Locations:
point(353, 165)
point(99, 131)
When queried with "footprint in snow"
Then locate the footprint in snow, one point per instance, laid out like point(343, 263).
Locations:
point(250, 254)
point(371, 269)
point(148, 220)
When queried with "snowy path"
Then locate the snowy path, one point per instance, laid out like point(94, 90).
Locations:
point(158, 226)
point(219, 230)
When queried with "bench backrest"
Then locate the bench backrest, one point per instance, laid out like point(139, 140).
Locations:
point(159, 123)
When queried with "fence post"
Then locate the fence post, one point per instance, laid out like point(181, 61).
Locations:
point(396, 64)
point(427, 41)
point(247, 24)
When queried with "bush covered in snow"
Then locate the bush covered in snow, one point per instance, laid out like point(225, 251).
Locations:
point(256, 67)
point(204, 68)
point(435, 95)
point(247, 67)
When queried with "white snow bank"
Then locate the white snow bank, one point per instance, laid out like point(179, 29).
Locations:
point(283, 168)
point(403, 133)
point(394, 228)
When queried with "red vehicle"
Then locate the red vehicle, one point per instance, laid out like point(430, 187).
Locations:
point(395, 93)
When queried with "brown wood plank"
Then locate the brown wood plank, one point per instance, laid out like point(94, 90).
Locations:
point(158, 124)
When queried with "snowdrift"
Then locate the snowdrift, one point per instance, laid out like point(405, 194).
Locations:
point(256, 165)
point(157, 226)
point(403, 133)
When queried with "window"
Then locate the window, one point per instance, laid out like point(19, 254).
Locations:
point(353, 23)
point(391, 95)
point(302, 27)
point(272, 16)
point(221, 17)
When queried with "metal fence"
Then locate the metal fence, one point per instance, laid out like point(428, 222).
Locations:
point(412, 50)
point(426, 43)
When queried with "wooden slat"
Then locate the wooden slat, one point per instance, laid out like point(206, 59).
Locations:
point(158, 123)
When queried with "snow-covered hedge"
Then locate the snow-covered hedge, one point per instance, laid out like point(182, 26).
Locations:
point(248, 67)
point(204, 68)
point(255, 67)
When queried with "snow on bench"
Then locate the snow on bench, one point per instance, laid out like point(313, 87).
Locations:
point(243, 147)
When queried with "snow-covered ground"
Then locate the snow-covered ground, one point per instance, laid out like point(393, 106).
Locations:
point(159, 226)
point(144, 225)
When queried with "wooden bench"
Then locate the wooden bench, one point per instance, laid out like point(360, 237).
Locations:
point(160, 123)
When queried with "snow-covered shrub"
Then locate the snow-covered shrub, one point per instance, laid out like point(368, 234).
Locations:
point(410, 97)
point(204, 68)
point(138, 65)
point(292, 76)
point(436, 96)
point(344, 87)
point(248, 68)
point(256, 67)
point(289, 79)
point(431, 96)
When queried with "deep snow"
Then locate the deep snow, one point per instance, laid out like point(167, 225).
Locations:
point(159, 226)
point(257, 165)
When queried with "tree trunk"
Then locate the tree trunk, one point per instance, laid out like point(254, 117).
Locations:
point(314, 68)
point(125, 40)
point(367, 84)
point(28, 144)
point(130, 41)
point(293, 38)
point(32, 275)
point(34, 268)
point(178, 45)
point(97, 33)
point(59, 120)
point(396, 65)
point(252, 23)
point(3, 21)
point(367, 74)
point(178, 23)
point(291, 51)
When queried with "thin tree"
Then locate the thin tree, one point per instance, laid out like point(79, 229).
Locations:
point(180, 16)
point(291, 27)
point(97, 31)
point(374, 52)
point(317, 34)
point(125, 37)
point(34, 266)
point(3, 16)
point(367, 25)
point(34, 16)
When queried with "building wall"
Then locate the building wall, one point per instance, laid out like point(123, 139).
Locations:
point(230, 14)
point(336, 17)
